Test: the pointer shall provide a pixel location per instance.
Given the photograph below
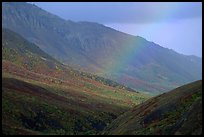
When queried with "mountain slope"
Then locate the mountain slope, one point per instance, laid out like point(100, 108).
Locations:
point(92, 47)
point(20, 53)
point(42, 96)
point(176, 112)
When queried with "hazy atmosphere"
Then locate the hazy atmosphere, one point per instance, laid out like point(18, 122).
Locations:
point(175, 25)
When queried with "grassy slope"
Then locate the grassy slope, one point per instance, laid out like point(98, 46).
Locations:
point(85, 110)
point(176, 112)
point(42, 96)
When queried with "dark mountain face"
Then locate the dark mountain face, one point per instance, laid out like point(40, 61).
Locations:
point(15, 42)
point(21, 52)
point(178, 112)
point(92, 47)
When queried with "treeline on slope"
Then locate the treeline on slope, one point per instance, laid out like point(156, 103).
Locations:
point(105, 81)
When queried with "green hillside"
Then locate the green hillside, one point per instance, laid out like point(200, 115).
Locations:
point(42, 96)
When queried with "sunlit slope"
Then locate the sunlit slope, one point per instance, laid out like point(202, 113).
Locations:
point(42, 96)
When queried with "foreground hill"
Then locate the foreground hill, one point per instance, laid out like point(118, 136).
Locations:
point(176, 112)
point(42, 96)
point(95, 48)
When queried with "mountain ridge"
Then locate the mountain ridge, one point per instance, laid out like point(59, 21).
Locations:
point(101, 50)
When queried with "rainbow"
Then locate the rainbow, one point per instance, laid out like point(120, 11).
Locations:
point(117, 62)
point(130, 48)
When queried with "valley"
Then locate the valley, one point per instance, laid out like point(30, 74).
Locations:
point(39, 99)
point(61, 77)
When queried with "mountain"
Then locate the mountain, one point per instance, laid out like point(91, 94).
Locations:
point(92, 47)
point(42, 96)
point(178, 112)
point(18, 51)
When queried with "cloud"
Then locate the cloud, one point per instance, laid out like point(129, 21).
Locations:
point(183, 36)
point(124, 12)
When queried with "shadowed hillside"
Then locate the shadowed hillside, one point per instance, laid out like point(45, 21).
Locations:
point(177, 112)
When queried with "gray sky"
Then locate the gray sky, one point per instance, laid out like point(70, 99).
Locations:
point(175, 25)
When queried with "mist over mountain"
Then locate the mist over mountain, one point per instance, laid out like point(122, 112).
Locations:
point(95, 48)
